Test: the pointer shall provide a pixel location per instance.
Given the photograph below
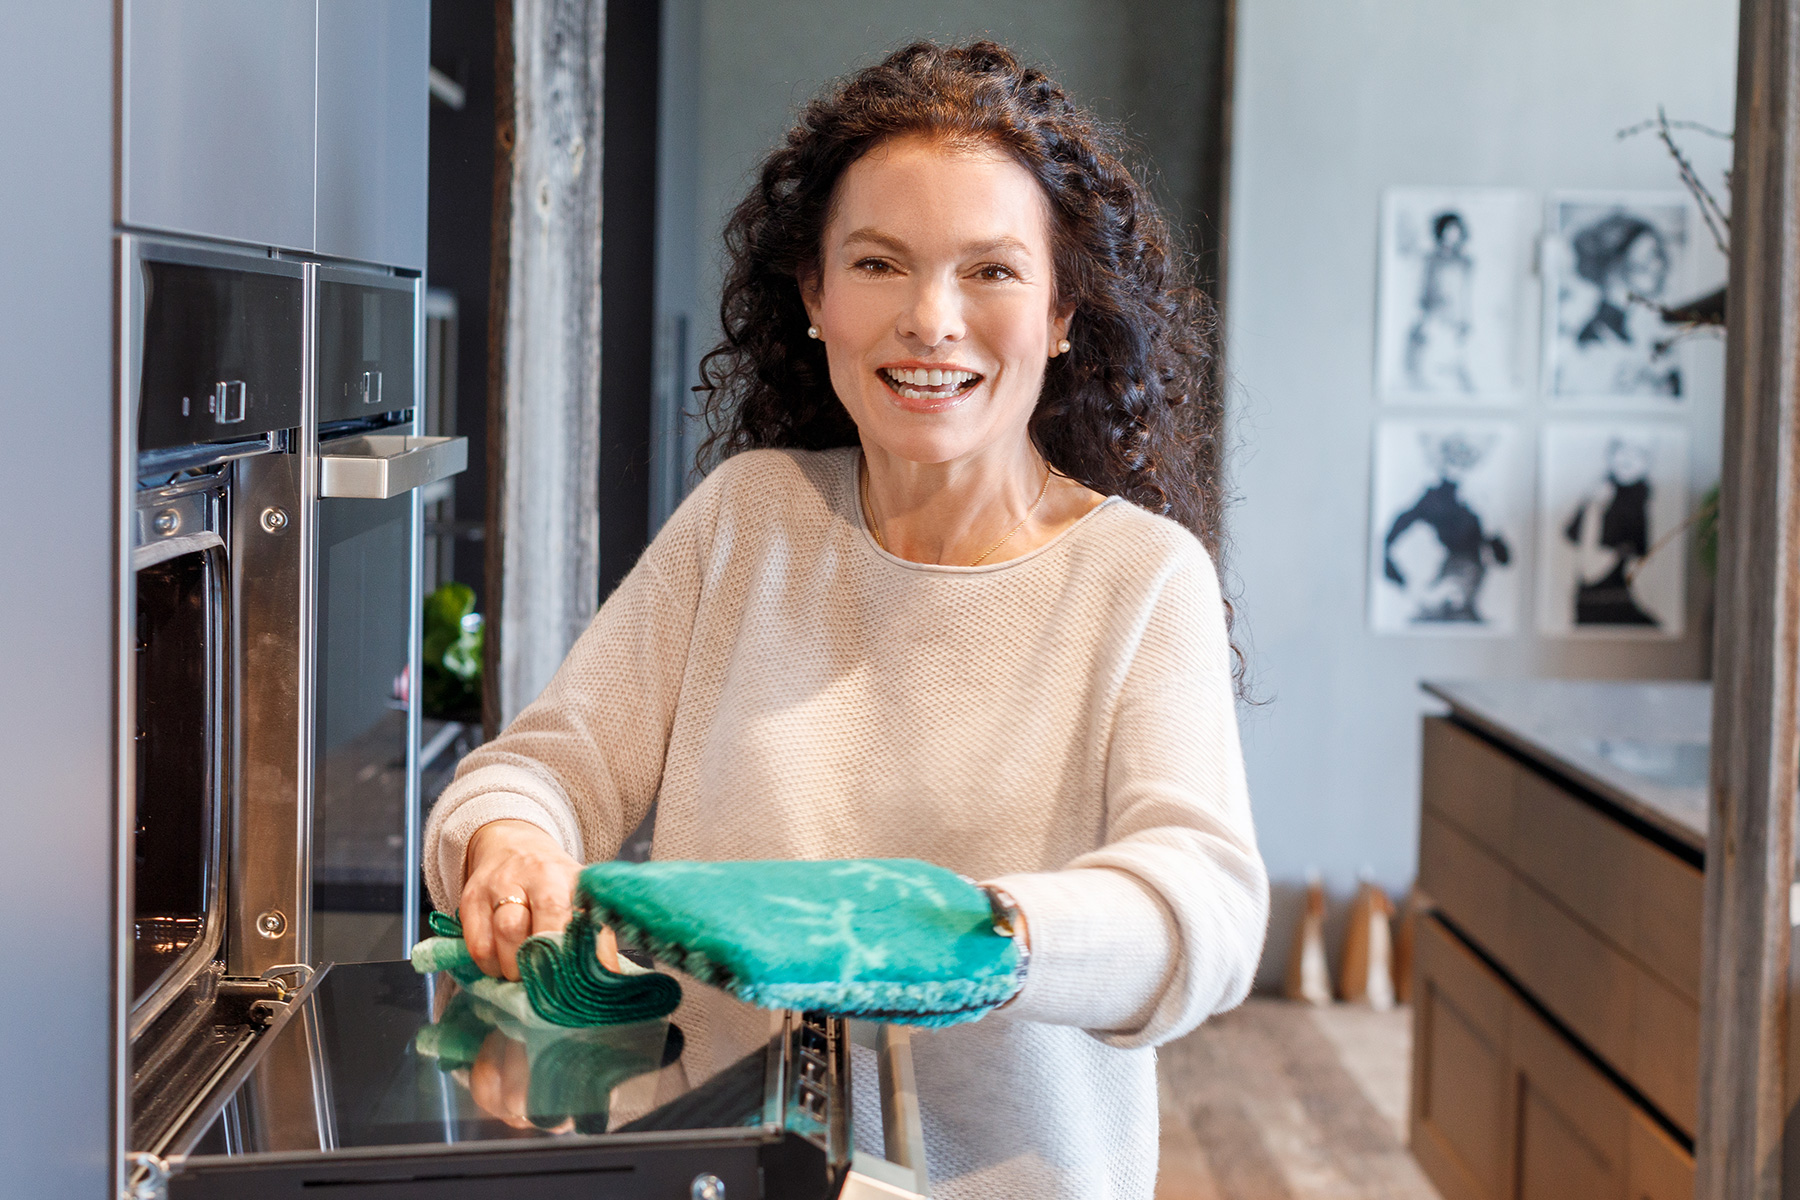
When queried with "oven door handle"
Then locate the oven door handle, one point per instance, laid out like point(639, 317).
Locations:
point(380, 466)
point(174, 547)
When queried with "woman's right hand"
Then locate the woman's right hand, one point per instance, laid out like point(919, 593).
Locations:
point(508, 862)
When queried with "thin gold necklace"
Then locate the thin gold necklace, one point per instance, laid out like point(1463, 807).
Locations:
point(875, 526)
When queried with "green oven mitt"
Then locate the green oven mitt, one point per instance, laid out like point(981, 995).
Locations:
point(561, 981)
point(881, 939)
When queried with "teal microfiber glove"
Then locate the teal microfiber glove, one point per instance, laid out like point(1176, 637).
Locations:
point(882, 939)
point(561, 981)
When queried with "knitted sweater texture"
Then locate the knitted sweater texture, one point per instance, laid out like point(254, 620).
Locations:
point(1062, 723)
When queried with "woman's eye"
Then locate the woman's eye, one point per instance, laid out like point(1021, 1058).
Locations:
point(994, 272)
point(873, 266)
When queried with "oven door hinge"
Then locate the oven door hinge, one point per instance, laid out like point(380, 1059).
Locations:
point(146, 1178)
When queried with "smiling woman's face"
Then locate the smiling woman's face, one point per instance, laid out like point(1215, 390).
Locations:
point(935, 298)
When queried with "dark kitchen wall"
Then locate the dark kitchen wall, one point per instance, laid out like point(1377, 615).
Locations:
point(460, 241)
point(627, 283)
point(460, 249)
point(58, 570)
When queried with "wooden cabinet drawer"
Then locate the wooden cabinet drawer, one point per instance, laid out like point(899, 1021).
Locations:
point(1657, 1167)
point(1458, 1113)
point(1641, 1026)
point(1574, 974)
point(1665, 1051)
point(1466, 882)
point(1469, 783)
point(1631, 891)
point(1575, 854)
point(1504, 1105)
point(1569, 1123)
point(1668, 915)
point(1598, 923)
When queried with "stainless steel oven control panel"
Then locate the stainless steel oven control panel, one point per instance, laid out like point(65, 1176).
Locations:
point(220, 346)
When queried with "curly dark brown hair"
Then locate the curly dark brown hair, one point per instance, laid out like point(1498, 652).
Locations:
point(1135, 410)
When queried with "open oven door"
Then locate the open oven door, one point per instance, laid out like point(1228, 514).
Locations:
point(389, 1085)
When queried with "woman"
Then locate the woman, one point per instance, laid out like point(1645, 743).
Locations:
point(1437, 345)
point(1626, 259)
point(943, 599)
point(1464, 546)
point(1611, 534)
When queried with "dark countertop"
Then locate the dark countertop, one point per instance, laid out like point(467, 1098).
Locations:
point(1641, 745)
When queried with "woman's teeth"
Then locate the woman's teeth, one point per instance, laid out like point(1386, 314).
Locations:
point(927, 383)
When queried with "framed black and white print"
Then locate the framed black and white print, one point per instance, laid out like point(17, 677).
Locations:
point(1611, 262)
point(1451, 512)
point(1457, 295)
point(1613, 529)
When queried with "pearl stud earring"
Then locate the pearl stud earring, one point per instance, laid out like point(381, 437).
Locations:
point(812, 331)
point(1062, 347)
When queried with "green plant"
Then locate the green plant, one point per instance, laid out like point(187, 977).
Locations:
point(452, 652)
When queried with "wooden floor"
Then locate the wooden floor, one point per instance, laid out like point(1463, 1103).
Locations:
point(1282, 1101)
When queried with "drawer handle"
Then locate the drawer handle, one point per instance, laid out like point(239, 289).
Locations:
point(382, 466)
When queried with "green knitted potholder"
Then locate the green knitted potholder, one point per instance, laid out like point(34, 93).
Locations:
point(561, 980)
point(883, 939)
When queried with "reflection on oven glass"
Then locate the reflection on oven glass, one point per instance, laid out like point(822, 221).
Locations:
point(543, 1076)
point(158, 943)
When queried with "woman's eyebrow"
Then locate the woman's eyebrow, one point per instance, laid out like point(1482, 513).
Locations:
point(875, 236)
point(1004, 242)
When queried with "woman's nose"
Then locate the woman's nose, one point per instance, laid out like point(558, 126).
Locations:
point(933, 314)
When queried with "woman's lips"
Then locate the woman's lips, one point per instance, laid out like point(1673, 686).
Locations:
point(928, 389)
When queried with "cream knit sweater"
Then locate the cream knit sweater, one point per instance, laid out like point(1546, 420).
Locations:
point(1062, 723)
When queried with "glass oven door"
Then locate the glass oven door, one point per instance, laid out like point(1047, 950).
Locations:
point(365, 818)
point(362, 729)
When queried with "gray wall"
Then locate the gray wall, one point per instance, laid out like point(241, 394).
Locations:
point(736, 71)
point(56, 598)
point(1333, 103)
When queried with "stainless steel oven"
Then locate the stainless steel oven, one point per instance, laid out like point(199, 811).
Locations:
point(213, 463)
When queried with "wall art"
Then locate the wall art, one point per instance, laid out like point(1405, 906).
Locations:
point(1611, 260)
point(1613, 529)
point(1457, 295)
point(1450, 516)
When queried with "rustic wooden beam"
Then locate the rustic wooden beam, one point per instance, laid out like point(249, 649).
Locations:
point(1744, 1088)
point(543, 547)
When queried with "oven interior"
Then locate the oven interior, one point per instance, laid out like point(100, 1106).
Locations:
point(177, 868)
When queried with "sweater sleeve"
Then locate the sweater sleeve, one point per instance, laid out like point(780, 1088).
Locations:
point(585, 759)
point(1143, 938)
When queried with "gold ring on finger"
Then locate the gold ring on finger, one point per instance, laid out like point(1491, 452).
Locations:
point(505, 900)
